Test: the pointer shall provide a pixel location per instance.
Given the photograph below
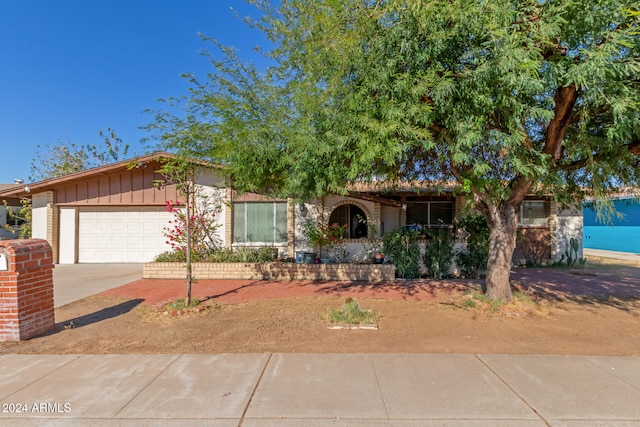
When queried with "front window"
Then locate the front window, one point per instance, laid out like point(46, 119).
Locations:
point(353, 217)
point(429, 214)
point(534, 212)
point(260, 222)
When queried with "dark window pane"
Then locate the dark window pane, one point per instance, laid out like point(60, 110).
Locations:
point(358, 226)
point(417, 213)
point(441, 214)
point(351, 216)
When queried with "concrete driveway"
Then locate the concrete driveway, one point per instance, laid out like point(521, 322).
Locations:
point(72, 282)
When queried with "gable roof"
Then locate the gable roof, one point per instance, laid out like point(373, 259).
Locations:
point(23, 190)
point(8, 186)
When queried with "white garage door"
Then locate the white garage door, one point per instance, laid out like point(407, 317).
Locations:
point(121, 234)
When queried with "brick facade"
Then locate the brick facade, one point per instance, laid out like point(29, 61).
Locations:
point(26, 289)
point(272, 271)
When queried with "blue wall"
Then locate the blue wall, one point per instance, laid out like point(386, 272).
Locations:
point(622, 236)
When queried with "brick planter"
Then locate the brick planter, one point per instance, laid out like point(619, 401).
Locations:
point(26, 289)
point(271, 271)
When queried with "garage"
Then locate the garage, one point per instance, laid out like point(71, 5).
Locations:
point(113, 213)
point(121, 234)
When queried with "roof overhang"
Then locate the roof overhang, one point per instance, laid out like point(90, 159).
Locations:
point(25, 190)
point(380, 191)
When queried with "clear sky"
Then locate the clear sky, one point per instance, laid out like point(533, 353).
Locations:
point(70, 68)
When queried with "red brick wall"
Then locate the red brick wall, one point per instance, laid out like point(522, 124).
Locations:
point(26, 289)
point(534, 243)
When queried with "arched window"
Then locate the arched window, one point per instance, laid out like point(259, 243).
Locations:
point(355, 219)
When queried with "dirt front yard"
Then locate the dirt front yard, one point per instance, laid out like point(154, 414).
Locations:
point(546, 322)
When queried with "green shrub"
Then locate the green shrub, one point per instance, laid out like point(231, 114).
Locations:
point(402, 248)
point(438, 255)
point(473, 261)
point(351, 314)
point(261, 254)
point(180, 305)
point(171, 256)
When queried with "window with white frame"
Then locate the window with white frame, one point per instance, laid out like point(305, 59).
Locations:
point(534, 212)
point(260, 222)
point(430, 214)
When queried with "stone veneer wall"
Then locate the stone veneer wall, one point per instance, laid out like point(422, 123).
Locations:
point(272, 271)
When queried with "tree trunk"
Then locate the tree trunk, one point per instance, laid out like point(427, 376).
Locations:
point(187, 299)
point(502, 220)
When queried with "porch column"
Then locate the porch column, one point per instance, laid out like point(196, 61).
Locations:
point(552, 222)
point(44, 220)
point(228, 219)
point(377, 220)
point(291, 228)
point(3, 215)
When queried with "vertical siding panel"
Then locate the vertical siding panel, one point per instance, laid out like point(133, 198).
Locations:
point(148, 195)
point(125, 187)
point(160, 191)
point(137, 185)
point(81, 192)
point(93, 191)
point(60, 195)
point(103, 190)
point(120, 187)
point(114, 189)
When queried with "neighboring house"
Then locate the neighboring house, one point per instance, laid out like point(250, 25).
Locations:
point(11, 202)
point(117, 213)
point(620, 234)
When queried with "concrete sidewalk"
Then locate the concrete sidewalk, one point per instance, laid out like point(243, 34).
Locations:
point(611, 257)
point(318, 390)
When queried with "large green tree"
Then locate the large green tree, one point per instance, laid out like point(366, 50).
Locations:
point(506, 97)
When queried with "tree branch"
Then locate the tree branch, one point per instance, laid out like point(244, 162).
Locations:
point(633, 147)
point(519, 189)
point(565, 99)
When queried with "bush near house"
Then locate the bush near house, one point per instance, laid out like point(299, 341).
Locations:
point(402, 248)
point(438, 255)
point(473, 260)
point(263, 254)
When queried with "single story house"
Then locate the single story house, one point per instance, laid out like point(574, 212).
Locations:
point(117, 213)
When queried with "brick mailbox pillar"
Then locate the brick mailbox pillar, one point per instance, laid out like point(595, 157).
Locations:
point(26, 289)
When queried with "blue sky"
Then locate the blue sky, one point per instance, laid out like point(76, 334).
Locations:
point(70, 68)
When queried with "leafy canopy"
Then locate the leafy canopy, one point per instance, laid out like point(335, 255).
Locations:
point(505, 96)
